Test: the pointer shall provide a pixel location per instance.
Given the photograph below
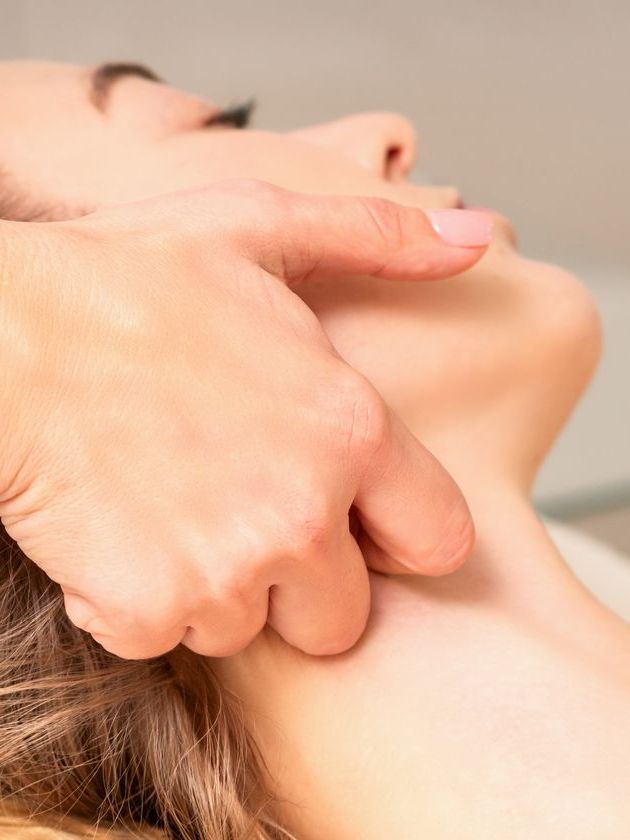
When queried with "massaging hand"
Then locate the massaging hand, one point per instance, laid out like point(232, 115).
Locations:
point(181, 444)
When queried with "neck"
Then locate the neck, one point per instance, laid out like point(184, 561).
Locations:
point(516, 568)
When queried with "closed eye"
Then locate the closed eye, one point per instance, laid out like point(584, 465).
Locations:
point(106, 75)
point(236, 116)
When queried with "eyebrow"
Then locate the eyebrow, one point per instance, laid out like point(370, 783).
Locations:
point(106, 75)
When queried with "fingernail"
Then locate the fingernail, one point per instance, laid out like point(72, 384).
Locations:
point(465, 228)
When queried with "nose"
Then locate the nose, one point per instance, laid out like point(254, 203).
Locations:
point(383, 143)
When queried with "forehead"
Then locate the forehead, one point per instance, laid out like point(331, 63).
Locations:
point(46, 120)
point(34, 91)
point(30, 77)
point(38, 98)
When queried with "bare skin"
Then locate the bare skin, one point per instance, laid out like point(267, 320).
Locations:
point(493, 702)
point(159, 378)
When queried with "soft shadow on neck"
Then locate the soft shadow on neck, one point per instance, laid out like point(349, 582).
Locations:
point(516, 570)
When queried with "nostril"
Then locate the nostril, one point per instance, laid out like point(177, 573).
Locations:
point(393, 164)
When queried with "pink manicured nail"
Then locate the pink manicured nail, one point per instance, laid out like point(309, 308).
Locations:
point(465, 228)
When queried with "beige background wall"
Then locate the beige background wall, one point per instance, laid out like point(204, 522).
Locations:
point(524, 105)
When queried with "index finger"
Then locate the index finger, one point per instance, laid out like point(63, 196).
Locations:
point(296, 236)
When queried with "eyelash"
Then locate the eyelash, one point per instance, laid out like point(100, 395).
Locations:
point(236, 116)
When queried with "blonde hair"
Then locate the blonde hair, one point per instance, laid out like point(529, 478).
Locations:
point(95, 746)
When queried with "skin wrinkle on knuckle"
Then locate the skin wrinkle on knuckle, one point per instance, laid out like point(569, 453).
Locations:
point(248, 188)
point(231, 587)
point(235, 579)
point(270, 205)
point(270, 232)
point(385, 220)
point(309, 525)
point(366, 423)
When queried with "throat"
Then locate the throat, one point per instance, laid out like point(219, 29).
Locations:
point(517, 572)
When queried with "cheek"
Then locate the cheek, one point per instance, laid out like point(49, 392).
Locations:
point(197, 158)
point(131, 170)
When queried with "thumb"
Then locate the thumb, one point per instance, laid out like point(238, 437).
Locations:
point(298, 236)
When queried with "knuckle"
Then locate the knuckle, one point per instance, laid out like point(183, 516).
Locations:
point(249, 188)
point(337, 640)
point(236, 578)
point(124, 650)
point(233, 206)
point(136, 609)
point(268, 204)
point(263, 216)
point(309, 522)
point(385, 221)
point(220, 647)
point(82, 614)
point(365, 417)
point(160, 604)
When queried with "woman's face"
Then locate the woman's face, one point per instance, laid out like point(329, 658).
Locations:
point(483, 367)
point(92, 137)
